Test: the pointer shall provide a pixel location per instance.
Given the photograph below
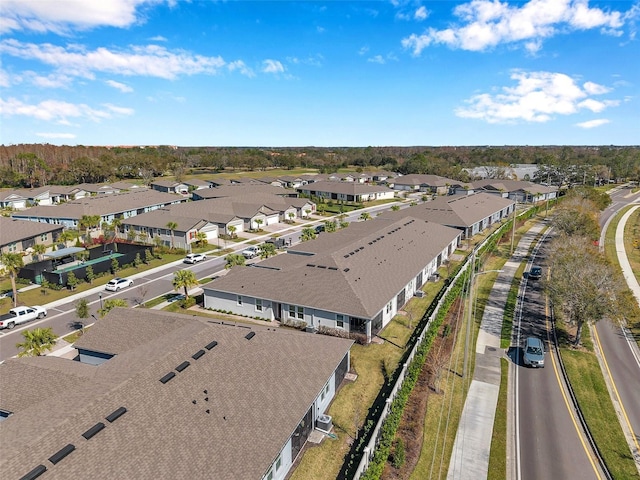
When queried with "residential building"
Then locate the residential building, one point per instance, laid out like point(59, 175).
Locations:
point(354, 280)
point(107, 207)
point(521, 191)
point(434, 184)
point(470, 213)
point(19, 236)
point(157, 395)
point(346, 191)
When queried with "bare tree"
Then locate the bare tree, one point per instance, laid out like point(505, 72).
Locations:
point(583, 286)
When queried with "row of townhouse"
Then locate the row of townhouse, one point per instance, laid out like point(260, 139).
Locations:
point(522, 191)
point(19, 199)
point(164, 395)
point(358, 278)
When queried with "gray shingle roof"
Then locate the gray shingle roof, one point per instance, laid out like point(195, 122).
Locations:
point(13, 230)
point(161, 217)
point(226, 416)
point(102, 205)
point(355, 271)
point(504, 185)
point(459, 210)
point(431, 180)
point(345, 188)
point(240, 190)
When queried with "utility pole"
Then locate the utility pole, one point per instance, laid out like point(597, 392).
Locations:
point(515, 216)
point(467, 339)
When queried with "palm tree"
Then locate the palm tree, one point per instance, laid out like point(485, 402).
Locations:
point(116, 223)
point(12, 263)
point(66, 236)
point(307, 233)
point(39, 249)
point(267, 250)
point(364, 216)
point(172, 226)
point(201, 239)
point(112, 303)
point(232, 231)
point(37, 342)
point(233, 260)
point(259, 223)
point(184, 279)
point(395, 208)
point(291, 215)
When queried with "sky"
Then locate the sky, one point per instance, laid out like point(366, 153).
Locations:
point(320, 73)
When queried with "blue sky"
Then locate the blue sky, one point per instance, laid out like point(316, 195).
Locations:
point(319, 73)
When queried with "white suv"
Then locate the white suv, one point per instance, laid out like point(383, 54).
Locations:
point(250, 252)
point(195, 258)
point(118, 283)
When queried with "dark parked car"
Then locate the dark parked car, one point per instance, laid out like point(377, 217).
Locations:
point(319, 229)
point(535, 273)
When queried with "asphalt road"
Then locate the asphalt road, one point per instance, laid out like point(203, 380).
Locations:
point(550, 442)
point(621, 361)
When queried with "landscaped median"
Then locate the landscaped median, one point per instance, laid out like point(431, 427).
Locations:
point(594, 401)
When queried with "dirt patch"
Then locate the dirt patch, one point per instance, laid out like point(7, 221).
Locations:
point(411, 429)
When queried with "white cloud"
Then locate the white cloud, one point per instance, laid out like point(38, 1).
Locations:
point(376, 59)
point(241, 67)
point(421, 14)
point(537, 97)
point(363, 51)
point(58, 111)
point(124, 88)
point(158, 38)
point(150, 60)
point(54, 80)
point(593, 123)
point(5, 79)
point(118, 110)
point(484, 24)
point(56, 135)
point(272, 66)
point(63, 15)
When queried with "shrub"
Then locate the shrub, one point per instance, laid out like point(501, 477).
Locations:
point(188, 302)
point(293, 323)
point(399, 454)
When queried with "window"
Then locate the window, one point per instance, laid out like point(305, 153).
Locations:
point(296, 312)
point(278, 462)
point(43, 237)
point(12, 247)
point(340, 321)
point(259, 304)
point(325, 392)
point(389, 305)
point(269, 475)
point(240, 300)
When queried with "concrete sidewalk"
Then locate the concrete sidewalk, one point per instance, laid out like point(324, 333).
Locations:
point(470, 456)
point(623, 260)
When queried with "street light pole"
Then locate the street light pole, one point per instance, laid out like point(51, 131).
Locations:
point(100, 296)
point(470, 316)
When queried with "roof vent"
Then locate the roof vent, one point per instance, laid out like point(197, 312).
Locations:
point(211, 345)
point(346, 269)
point(35, 473)
point(167, 377)
point(250, 335)
point(63, 452)
point(116, 414)
point(182, 366)
point(93, 430)
point(198, 354)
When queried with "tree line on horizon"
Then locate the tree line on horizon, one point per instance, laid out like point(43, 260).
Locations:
point(34, 165)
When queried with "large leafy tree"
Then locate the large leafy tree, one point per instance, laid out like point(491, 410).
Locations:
point(184, 279)
point(577, 216)
point(12, 263)
point(36, 342)
point(583, 286)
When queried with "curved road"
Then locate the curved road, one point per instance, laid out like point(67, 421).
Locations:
point(619, 354)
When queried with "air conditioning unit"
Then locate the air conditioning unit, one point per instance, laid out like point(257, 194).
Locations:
point(419, 293)
point(324, 423)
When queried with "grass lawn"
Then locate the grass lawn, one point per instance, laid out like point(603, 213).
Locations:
point(594, 400)
point(40, 296)
point(349, 409)
point(498, 457)
point(632, 232)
